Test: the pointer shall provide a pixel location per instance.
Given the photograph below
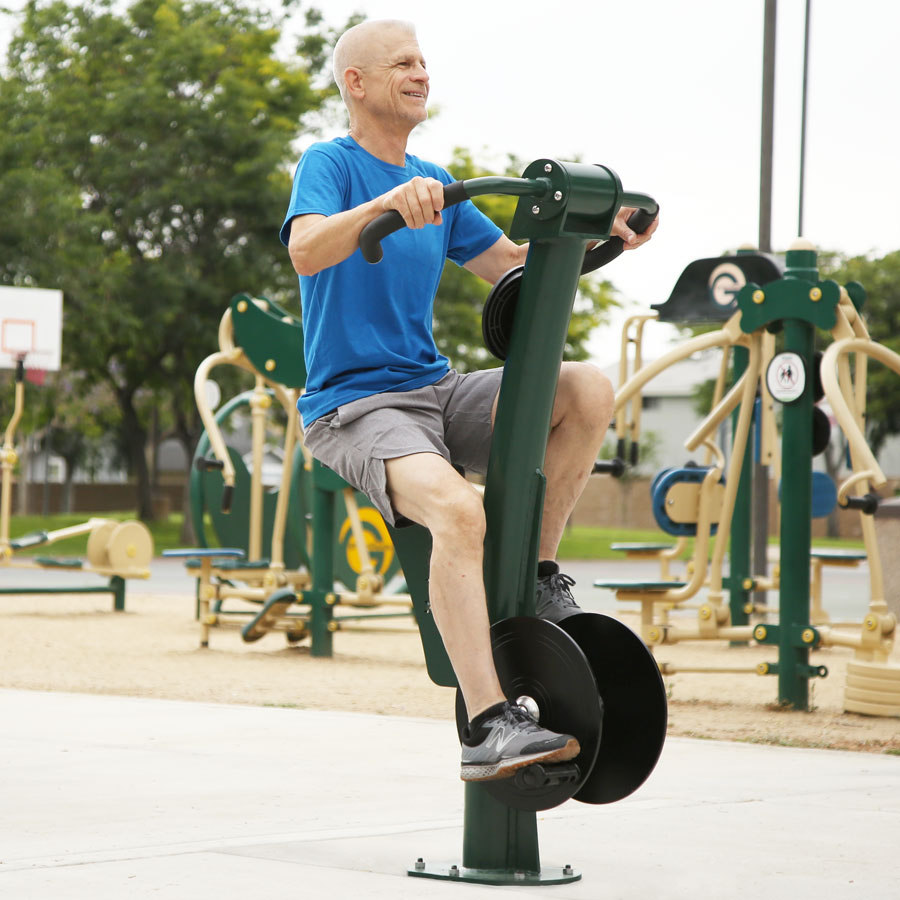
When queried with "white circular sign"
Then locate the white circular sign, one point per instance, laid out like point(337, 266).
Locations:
point(786, 377)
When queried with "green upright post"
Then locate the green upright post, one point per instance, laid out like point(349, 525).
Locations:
point(742, 517)
point(796, 519)
point(799, 302)
point(796, 503)
point(117, 587)
point(321, 596)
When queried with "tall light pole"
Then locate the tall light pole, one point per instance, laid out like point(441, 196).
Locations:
point(768, 127)
point(803, 120)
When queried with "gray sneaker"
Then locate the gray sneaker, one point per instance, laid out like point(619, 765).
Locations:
point(554, 597)
point(510, 739)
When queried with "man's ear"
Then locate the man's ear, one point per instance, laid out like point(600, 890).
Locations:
point(353, 80)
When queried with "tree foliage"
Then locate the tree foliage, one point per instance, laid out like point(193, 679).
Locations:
point(460, 298)
point(147, 152)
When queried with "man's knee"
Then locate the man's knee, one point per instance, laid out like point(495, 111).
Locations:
point(587, 393)
point(459, 515)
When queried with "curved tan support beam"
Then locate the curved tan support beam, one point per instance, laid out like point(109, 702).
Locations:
point(201, 376)
point(729, 335)
point(859, 448)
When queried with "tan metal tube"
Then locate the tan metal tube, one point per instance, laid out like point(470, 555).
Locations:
point(728, 335)
point(9, 461)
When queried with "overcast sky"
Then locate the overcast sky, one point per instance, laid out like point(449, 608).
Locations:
point(668, 94)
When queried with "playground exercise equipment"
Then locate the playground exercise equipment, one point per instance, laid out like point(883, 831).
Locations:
point(115, 550)
point(796, 303)
point(275, 569)
point(590, 662)
point(706, 292)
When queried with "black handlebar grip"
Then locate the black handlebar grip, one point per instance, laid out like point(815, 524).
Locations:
point(639, 221)
point(227, 496)
point(867, 504)
point(614, 467)
point(205, 463)
point(371, 236)
point(635, 453)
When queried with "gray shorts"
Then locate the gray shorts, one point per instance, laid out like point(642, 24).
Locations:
point(451, 418)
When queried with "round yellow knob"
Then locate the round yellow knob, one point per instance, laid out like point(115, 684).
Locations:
point(331, 599)
point(270, 365)
point(760, 632)
point(808, 636)
point(748, 609)
point(333, 626)
point(762, 668)
point(759, 296)
point(747, 584)
point(870, 623)
point(653, 634)
point(131, 550)
point(705, 612)
point(210, 619)
point(815, 294)
point(242, 306)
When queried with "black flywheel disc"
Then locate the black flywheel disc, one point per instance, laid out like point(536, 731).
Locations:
point(537, 659)
point(635, 711)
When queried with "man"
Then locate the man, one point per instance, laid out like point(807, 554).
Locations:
point(381, 406)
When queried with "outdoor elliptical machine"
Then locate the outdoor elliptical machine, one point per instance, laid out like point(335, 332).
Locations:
point(591, 670)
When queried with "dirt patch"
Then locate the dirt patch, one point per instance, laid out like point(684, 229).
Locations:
point(73, 643)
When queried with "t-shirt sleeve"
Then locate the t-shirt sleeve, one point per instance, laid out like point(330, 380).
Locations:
point(471, 233)
point(320, 186)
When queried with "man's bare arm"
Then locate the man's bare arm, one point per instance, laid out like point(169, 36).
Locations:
point(317, 242)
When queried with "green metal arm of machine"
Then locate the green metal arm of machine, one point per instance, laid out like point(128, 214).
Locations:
point(571, 199)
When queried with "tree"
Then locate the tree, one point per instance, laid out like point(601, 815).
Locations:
point(147, 155)
point(461, 295)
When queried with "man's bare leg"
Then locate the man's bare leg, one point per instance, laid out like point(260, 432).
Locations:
point(424, 487)
point(581, 415)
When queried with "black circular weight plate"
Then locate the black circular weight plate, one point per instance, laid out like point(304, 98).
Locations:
point(635, 711)
point(537, 659)
point(499, 312)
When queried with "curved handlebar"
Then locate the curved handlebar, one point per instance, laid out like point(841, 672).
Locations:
point(639, 221)
point(388, 222)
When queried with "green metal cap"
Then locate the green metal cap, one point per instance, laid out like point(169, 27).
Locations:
point(801, 261)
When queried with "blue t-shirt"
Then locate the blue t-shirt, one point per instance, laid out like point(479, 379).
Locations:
point(368, 328)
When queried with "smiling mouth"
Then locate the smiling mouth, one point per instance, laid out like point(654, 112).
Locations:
point(415, 94)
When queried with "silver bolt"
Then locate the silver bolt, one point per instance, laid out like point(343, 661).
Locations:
point(548, 167)
point(535, 209)
point(568, 870)
point(454, 871)
point(557, 195)
point(519, 876)
point(420, 864)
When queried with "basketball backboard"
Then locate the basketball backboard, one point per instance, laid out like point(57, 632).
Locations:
point(30, 327)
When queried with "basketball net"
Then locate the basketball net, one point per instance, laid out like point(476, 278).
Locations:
point(35, 376)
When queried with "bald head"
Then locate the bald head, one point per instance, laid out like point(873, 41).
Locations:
point(365, 44)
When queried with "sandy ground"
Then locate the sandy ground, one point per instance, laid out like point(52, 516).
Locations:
point(76, 644)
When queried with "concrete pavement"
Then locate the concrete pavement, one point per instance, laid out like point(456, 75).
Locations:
point(119, 797)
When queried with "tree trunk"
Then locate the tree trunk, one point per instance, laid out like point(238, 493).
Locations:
point(135, 436)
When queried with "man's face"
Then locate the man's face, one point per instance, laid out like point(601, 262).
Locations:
point(396, 82)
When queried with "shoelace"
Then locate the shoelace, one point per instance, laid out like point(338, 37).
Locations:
point(518, 714)
point(562, 583)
